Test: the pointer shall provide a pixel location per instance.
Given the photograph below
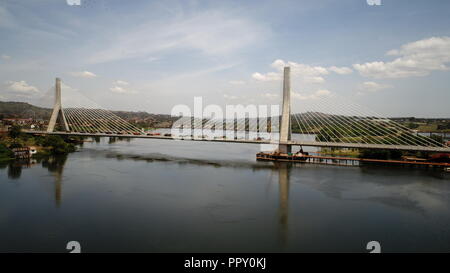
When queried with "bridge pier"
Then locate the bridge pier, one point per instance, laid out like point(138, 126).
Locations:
point(284, 148)
point(285, 128)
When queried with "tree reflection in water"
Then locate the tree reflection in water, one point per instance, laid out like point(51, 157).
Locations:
point(15, 169)
point(54, 164)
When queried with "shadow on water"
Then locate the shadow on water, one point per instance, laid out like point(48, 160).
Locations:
point(158, 157)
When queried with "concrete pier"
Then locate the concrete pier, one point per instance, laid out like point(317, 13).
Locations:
point(285, 128)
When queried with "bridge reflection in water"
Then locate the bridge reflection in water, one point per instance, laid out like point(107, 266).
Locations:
point(55, 166)
point(283, 188)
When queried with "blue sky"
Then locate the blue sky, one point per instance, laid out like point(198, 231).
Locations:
point(152, 55)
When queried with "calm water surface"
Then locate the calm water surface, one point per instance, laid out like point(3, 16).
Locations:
point(173, 196)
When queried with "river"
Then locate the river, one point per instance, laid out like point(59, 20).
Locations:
point(178, 196)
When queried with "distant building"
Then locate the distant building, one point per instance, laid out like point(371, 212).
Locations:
point(19, 121)
point(24, 152)
point(4, 129)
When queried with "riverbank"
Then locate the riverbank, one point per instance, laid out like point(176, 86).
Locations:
point(339, 152)
point(44, 145)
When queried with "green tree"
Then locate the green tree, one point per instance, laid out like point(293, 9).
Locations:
point(57, 145)
point(14, 131)
point(437, 138)
point(5, 153)
point(412, 125)
point(380, 154)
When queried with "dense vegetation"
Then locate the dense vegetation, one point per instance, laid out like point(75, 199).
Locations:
point(5, 152)
point(48, 145)
point(56, 144)
point(381, 154)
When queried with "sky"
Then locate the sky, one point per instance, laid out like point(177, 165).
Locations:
point(149, 56)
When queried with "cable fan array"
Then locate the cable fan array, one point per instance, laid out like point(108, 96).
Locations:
point(337, 120)
point(322, 119)
point(85, 116)
point(237, 128)
point(85, 120)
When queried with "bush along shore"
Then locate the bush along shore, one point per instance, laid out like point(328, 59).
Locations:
point(44, 145)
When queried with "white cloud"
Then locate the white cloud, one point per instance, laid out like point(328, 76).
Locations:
point(117, 89)
point(418, 58)
point(5, 57)
point(83, 74)
point(151, 59)
point(21, 86)
point(237, 82)
point(299, 96)
point(321, 93)
point(64, 86)
point(120, 82)
point(314, 80)
point(308, 73)
point(373, 86)
point(370, 86)
point(231, 97)
point(121, 90)
point(270, 95)
point(271, 76)
point(211, 33)
point(340, 70)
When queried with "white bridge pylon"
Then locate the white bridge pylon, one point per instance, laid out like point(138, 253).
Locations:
point(57, 110)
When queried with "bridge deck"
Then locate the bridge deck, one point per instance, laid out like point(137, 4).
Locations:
point(263, 141)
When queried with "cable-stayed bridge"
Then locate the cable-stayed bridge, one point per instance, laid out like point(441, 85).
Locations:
point(323, 121)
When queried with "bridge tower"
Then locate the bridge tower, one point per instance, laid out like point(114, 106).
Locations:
point(285, 128)
point(57, 110)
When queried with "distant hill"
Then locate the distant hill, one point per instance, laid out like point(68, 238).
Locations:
point(12, 109)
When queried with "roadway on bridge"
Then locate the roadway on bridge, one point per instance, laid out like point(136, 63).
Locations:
point(255, 141)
